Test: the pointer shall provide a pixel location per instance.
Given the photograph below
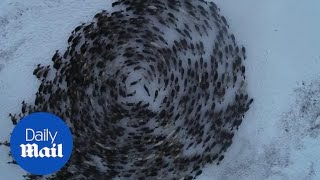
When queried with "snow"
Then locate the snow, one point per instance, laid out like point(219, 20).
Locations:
point(281, 40)
point(278, 138)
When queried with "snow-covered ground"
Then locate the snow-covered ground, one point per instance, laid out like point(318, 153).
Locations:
point(275, 141)
point(279, 138)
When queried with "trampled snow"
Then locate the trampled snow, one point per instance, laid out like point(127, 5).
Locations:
point(278, 139)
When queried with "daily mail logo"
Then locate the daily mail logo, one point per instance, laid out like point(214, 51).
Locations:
point(41, 143)
point(32, 150)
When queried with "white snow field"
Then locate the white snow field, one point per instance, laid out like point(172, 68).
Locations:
point(279, 137)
